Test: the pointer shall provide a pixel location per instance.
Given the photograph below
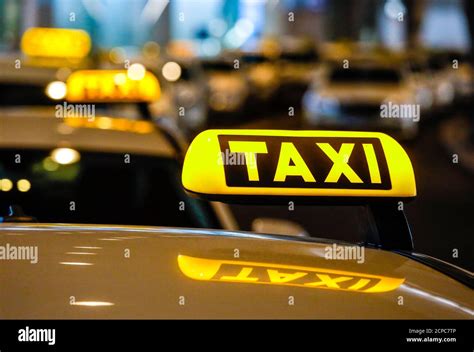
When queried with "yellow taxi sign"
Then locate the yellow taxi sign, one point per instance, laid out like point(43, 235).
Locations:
point(277, 163)
point(56, 43)
point(112, 86)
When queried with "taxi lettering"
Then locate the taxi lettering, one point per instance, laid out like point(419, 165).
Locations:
point(306, 162)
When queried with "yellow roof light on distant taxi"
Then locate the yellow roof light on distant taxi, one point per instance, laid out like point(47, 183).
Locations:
point(56, 90)
point(112, 86)
point(266, 163)
point(56, 43)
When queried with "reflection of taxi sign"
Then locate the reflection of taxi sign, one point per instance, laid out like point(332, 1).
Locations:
point(232, 271)
point(267, 163)
point(56, 43)
point(112, 124)
point(112, 86)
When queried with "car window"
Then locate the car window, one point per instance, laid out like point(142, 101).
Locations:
point(302, 57)
point(437, 63)
point(355, 75)
point(220, 66)
point(105, 188)
point(417, 68)
point(254, 59)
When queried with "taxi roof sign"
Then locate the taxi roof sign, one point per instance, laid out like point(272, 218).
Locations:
point(56, 43)
point(112, 86)
point(224, 164)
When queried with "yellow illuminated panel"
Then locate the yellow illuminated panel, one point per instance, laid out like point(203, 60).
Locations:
point(298, 163)
point(111, 86)
point(112, 123)
point(284, 275)
point(56, 43)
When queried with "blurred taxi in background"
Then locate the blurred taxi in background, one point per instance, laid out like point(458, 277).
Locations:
point(461, 66)
point(263, 76)
point(227, 87)
point(421, 77)
point(443, 79)
point(357, 96)
point(185, 83)
point(30, 85)
point(36, 77)
point(298, 61)
point(103, 168)
point(100, 171)
point(94, 168)
point(183, 99)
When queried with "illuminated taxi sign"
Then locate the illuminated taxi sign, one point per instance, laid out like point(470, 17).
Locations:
point(112, 86)
point(56, 43)
point(297, 163)
point(287, 275)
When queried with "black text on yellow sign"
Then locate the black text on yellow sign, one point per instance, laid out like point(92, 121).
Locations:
point(306, 162)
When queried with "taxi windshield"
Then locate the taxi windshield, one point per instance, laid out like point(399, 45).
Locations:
point(255, 58)
point(100, 188)
point(302, 57)
point(219, 66)
point(360, 75)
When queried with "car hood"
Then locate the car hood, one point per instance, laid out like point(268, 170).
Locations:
point(138, 272)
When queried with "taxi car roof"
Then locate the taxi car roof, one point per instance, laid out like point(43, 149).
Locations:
point(51, 132)
point(150, 283)
point(27, 74)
